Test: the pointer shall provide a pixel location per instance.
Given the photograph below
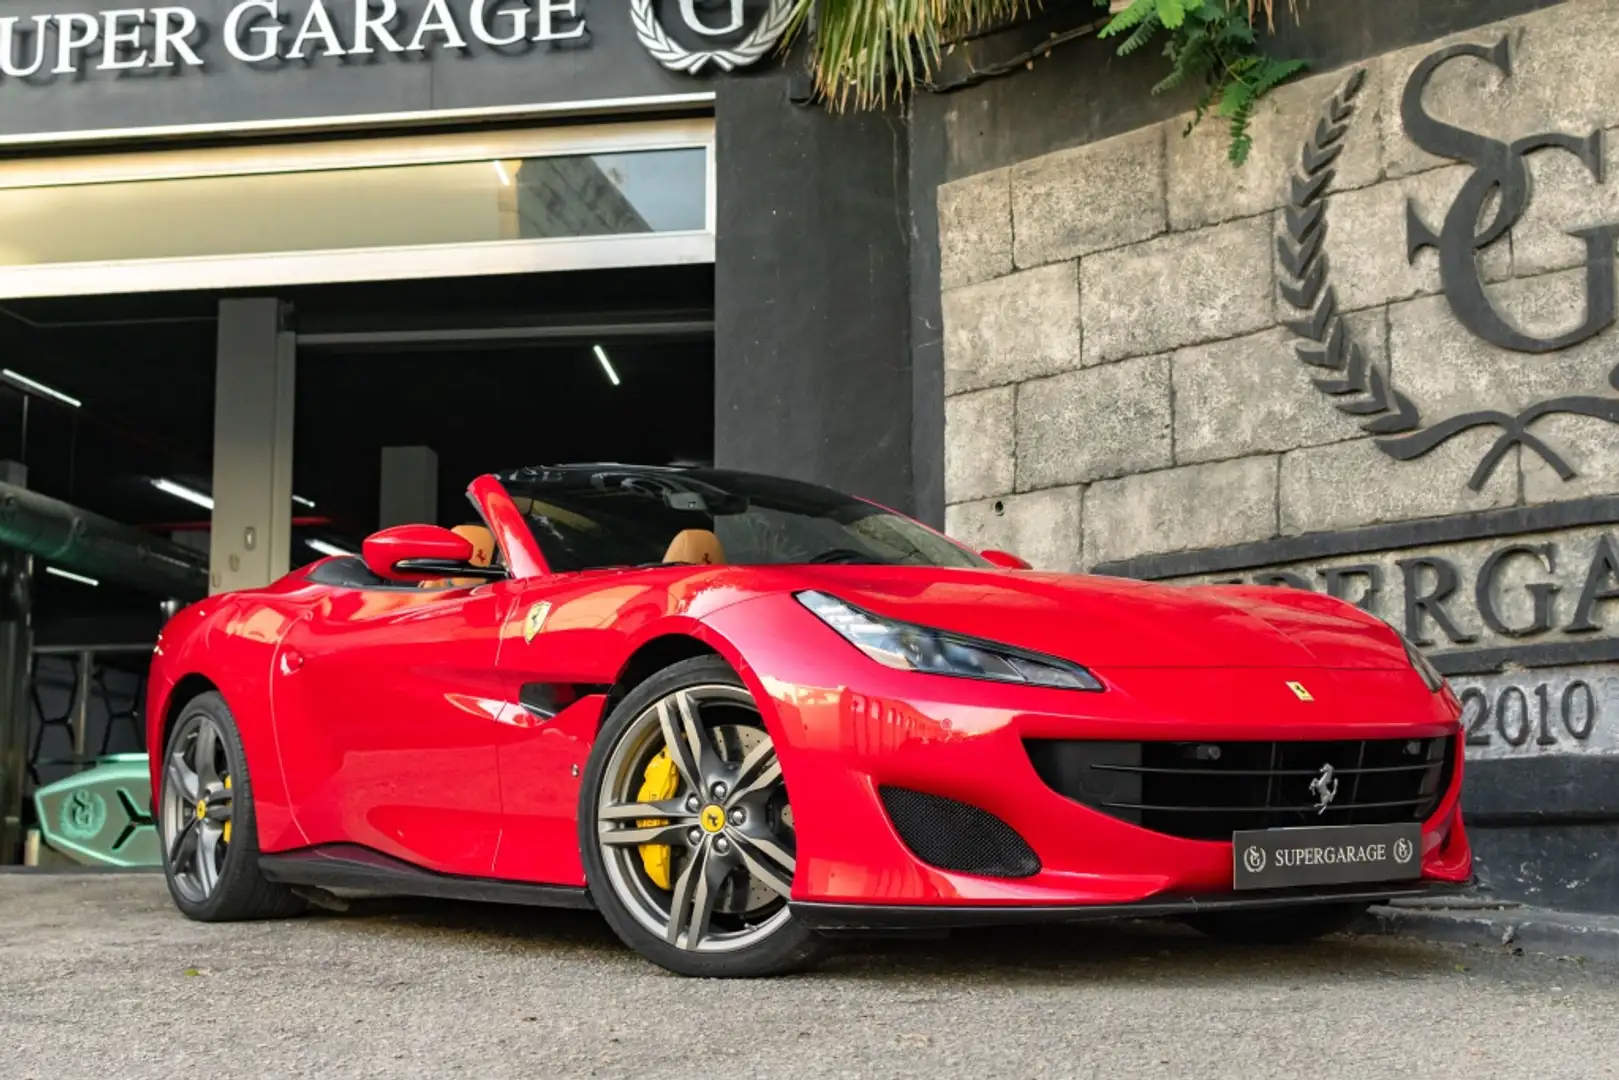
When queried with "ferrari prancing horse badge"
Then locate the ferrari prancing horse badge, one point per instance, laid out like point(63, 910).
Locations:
point(534, 620)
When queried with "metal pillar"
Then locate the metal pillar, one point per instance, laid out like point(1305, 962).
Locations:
point(82, 690)
point(409, 493)
point(16, 648)
point(251, 536)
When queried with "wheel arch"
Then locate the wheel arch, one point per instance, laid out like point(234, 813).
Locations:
point(673, 640)
point(224, 645)
point(652, 656)
point(187, 689)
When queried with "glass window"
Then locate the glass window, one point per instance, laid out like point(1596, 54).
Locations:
point(525, 198)
point(586, 519)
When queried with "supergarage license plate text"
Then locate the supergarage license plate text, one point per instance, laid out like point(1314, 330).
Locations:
point(1326, 855)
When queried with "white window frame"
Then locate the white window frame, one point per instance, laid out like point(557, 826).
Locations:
point(253, 270)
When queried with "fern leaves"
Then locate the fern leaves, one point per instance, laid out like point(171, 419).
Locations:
point(1211, 42)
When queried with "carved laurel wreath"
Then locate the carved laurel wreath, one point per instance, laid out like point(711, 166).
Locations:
point(666, 51)
point(1355, 386)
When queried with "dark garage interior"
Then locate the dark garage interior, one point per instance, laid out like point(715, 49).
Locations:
point(142, 370)
point(490, 373)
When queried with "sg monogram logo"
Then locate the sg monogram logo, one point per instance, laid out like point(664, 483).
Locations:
point(672, 55)
point(1500, 170)
point(1498, 167)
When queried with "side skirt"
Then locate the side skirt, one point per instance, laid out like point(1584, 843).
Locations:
point(350, 866)
point(877, 917)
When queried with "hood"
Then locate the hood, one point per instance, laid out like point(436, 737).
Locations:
point(1104, 622)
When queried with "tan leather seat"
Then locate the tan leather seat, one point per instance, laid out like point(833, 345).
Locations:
point(696, 547)
point(483, 553)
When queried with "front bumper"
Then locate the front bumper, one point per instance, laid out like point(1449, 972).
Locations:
point(846, 727)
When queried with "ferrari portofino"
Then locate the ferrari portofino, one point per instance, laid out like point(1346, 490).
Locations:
point(738, 714)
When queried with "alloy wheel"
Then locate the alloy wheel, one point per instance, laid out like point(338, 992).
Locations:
point(727, 829)
point(197, 802)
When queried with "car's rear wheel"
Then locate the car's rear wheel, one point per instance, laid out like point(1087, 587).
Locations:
point(687, 832)
point(1285, 926)
point(207, 824)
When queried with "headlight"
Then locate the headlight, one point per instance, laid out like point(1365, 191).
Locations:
point(917, 648)
point(1430, 674)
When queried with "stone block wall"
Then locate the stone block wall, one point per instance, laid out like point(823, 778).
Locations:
point(1120, 379)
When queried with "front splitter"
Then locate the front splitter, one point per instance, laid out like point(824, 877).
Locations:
point(833, 917)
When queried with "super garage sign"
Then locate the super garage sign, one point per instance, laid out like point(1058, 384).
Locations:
point(268, 31)
point(261, 31)
point(79, 70)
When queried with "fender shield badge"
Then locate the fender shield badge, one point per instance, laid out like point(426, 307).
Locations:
point(534, 620)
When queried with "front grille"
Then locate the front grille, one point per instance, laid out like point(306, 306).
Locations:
point(1209, 790)
point(955, 836)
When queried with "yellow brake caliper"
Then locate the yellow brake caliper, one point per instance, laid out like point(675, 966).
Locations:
point(226, 837)
point(662, 780)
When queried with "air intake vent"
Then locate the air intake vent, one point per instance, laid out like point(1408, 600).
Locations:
point(1207, 791)
point(954, 836)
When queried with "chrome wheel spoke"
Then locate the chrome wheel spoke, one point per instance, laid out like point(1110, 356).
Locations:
point(669, 809)
point(184, 846)
point(680, 901)
point(203, 753)
point(681, 752)
point(673, 833)
point(697, 738)
point(182, 780)
point(692, 906)
point(759, 770)
point(767, 862)
point(207, 864)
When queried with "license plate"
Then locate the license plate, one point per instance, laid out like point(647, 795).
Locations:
point(1326, 855)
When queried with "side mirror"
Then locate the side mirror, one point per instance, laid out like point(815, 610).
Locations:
point(1006, 559)
point(416, 552)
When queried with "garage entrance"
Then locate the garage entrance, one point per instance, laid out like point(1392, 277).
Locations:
point(189, 416)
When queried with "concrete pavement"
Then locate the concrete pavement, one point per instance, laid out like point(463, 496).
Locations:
point(101, 979)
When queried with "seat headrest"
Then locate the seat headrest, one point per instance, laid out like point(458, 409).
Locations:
point(483, 553)
point(483, 543)
point(696, 547)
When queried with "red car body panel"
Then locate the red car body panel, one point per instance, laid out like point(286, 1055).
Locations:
point(392, 719)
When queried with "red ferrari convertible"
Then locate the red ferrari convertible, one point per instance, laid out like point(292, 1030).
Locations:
point(738, 714)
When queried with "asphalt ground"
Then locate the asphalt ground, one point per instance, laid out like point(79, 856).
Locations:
point(100, 978)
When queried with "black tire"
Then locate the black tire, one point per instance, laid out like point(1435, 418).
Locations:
point(241, 892)
point(1288, 926)
point(790, 947)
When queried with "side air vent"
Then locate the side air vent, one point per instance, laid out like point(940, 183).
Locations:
point(955, 836)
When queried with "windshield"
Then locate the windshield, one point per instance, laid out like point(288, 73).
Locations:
point(588, 519)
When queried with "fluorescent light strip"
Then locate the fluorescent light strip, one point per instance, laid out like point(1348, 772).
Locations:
point(328, 549)
point(80, 578)
point(180, 491)
point(191, 495)
point(500, 171)
point(23, 382)
point(607, 365)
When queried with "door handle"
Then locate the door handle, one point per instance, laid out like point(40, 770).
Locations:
point(291, 661)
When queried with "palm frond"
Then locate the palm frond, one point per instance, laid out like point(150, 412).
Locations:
point(862, 53)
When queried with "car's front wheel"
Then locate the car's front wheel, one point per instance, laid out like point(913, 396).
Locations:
point(207, 825)
point(687, 832)
point(1284, 926)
